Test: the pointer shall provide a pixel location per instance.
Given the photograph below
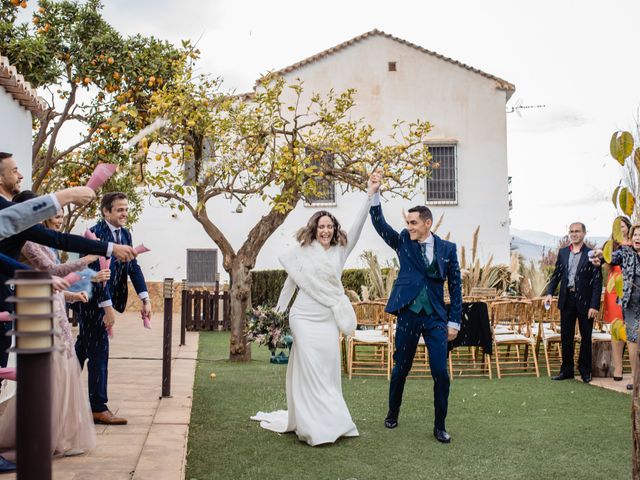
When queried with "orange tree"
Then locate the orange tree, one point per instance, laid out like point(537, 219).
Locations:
point(623, 150)
point(96, 84)
point(276, 145)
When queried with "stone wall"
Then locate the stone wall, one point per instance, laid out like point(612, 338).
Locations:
point(157, 298)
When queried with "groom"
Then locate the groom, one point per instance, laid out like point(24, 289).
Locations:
point(417, 299)
point(92, 344)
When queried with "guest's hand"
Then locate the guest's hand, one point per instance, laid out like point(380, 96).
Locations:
point(593, 313)
point(101, 276)
point(109, 318)
point(596, 257)
point(146, 307)
point(452, 334)
point(77, 195)
point(124, 253)
point(375, 180)
point(73, 297)
point(59, 284)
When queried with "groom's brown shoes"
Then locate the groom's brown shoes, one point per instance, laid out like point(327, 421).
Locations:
point(108, 418)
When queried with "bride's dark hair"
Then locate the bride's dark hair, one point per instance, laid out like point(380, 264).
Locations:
point(307, 234)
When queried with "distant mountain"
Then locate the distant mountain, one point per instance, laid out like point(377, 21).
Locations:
point(532, 244)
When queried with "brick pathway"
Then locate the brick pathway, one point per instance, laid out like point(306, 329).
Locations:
point(154, 443)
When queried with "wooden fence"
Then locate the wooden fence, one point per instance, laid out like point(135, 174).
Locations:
point(206, 310)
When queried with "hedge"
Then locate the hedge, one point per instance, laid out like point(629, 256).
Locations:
point(266, 284)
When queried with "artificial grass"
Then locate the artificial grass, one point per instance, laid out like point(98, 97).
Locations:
point(516, 428)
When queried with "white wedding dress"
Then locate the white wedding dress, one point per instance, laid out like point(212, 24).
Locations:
point(316, 411)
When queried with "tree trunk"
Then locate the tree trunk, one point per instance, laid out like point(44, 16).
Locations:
point(635, 419)
point(240, 284)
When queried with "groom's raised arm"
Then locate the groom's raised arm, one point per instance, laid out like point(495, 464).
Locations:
point(388, 234)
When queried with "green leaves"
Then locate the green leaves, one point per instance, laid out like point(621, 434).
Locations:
point(616, 230)
point(614, 197)
point(616, 283)
point(607, 251)
point(621, 146)
point(626, 201)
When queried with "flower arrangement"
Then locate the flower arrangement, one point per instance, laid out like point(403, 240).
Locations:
point(266, 326)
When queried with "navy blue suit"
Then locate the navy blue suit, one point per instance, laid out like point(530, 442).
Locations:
point(576, 304)
point(92, 343)
point(412, 280)
point(38, 234)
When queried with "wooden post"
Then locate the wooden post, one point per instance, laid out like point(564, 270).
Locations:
point(197, 309)
point(216, 304)
point(189, 311)
point(183, 314)
point(226, 310)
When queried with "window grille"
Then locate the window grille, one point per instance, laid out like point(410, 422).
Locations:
point(442, 187)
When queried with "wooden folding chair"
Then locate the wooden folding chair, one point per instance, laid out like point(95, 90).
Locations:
point(511, 323)
point(546, 329)
point(369, 348)
point(481, 292)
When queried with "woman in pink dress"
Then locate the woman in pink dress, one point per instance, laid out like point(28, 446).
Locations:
point(73, 431)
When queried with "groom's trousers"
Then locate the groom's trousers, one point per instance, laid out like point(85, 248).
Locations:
point(92, 346)
point(409, 327)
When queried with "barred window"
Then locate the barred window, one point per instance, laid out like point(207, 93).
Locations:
point(326, 189)
point(442, 187)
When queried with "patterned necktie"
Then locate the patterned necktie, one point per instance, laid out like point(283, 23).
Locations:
point(423, 247)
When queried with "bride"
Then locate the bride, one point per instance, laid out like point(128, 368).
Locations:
point(317, 411)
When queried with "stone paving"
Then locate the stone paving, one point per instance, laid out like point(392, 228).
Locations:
point(154, 443)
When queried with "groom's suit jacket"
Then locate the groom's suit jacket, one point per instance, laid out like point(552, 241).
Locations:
point(116, 290)
point(412, 276)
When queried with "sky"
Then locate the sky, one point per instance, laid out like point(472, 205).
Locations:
point(574, 57)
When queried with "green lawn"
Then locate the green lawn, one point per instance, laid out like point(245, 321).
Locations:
point(514, 428)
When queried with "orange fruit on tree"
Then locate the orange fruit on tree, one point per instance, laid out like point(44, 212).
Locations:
point(110, 60)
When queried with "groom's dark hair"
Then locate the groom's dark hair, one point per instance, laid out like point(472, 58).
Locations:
point(424, 212)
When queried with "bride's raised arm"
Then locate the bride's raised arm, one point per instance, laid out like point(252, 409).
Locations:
point(356, 229)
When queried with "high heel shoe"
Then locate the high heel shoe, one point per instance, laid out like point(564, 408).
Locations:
point(629, 386)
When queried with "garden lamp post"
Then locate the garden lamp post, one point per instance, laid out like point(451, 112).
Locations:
point(34, 345)
point(167, 290)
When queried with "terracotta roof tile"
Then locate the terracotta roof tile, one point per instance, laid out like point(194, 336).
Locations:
point(19, 88)
point(500, 83)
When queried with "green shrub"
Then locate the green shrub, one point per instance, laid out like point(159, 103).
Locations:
point(266, 284)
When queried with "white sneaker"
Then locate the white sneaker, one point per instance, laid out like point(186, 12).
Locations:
point(73, 452)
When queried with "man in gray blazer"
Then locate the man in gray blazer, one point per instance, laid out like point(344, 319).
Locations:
point(21, 216)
